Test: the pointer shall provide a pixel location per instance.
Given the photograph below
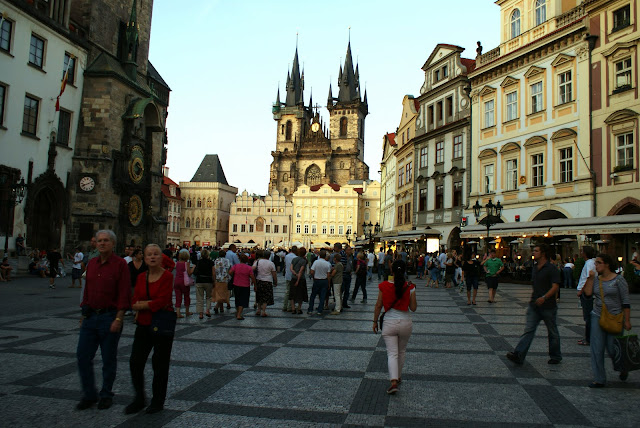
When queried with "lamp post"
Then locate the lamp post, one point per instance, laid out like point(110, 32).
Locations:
point(14, 196)
point(494, 212)
point(370, 231)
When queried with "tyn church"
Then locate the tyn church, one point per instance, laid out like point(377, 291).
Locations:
point(307, 152)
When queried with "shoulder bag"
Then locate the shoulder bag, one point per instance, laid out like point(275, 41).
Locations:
point(186, 277)
point(381, 319)
point(163, 322)
point(609, 322)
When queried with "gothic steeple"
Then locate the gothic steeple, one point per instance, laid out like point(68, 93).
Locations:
point(295, 84)
point(132, 36)
point(348, 80)
point(330, 97)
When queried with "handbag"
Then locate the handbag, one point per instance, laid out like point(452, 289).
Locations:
point(609, 322)
point(626, 352)
point(381, 319)
point(188, 280)
point(163, 322)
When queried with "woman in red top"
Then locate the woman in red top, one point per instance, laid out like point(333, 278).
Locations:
point(160, 283)
point(397, 298)
point(242, 279)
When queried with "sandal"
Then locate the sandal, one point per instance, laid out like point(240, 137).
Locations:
point(240, 318)
point(264, 315)
point(208, 314)
point(201, 316)
point(583, 342)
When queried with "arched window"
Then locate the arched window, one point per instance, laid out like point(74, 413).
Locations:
point(341, 165)
point(313, 175)
point(343, 126)
point(515, 23)
point(209, 203)
point(541, 11)
point(208, 223)
point(197, 223)
point(199, 203)
point(187, 222)
point(189, 203)
point(285, 177)
point(289, 130)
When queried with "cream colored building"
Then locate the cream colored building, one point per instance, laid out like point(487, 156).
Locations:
point(405, 164)
point(615, 105)
point(328, 213)
point(263, 221)
point(530, 110)
point(388, 184)
point(207, 202)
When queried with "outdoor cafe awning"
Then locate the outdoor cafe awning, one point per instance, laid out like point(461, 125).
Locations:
point(411, 235)
point(621, 224)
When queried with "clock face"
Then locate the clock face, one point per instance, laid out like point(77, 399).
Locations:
point(136, 164)
point(135, 210)
point(315, 127)
point(87, 184)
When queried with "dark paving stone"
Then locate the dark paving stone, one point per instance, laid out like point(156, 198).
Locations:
point(48, 375)
point(525, 370)
point(39, 352)
point(400, 421)
point(255, 356)
point(378, 362)
point(498, 344)
point(206, 386)
point(31, 340)
point(371, 398)
point(486, 330)
point(285, 336)
point(558, 409)
point(155, 420)
point(465, 379)
point(270, 413)
point(307, 372)
point(475, 318)
point(195, 364)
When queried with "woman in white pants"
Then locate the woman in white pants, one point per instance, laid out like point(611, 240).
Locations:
point(397, 298)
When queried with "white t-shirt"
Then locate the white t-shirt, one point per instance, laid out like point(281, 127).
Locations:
point(569, 265)
point(395, 314)
point(264, 269)
point(321, 268)
point(287, 266)
point(128, 259)
point(381, 257)
point(371, 257)
point(77, 260)
point(589, 265)
point(634, 256)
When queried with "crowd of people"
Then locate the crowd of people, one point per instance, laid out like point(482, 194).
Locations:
point(153, 285)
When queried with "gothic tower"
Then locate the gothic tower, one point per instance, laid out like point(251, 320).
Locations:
point(347, 115)
point(293, 119)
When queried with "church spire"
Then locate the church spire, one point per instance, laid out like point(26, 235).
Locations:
point(348, 81)
point(295, 83)
point(278, 97)
point(132, 35)
point(330, 97)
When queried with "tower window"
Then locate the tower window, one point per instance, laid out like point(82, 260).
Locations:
point(515, 23)
point(343, 126)
point(289, 130)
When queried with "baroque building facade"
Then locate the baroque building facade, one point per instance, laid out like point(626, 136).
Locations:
point(388, 183)
point(171, 192)
point(307, 150)
point(530, 114)
point(263, 221)
point(442, 143)
point(39, 46)
point(405, 164)
point(207, 203)
point(116, 179)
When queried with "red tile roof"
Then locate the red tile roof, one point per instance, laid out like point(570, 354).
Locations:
point(317, 187)
point(392, 138)
point(469, 63)
point(416, 103)
point(166, 183)
point(358, 190)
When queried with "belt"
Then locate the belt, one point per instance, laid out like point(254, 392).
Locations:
point(102, 311)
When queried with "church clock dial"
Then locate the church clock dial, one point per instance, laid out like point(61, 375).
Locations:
point(315, 127)
point(135, 210)
point(87, 184)
point(136, 164)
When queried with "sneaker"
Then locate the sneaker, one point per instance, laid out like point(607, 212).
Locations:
point(514, 357)
point(52, 286)
point(392, 390)
point(335, 313)
point(318, 313)
point(553, 361)
point(363, 301)
point(346, 307)
point(309, 312)
point(105, 403)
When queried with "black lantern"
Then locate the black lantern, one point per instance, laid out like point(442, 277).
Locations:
point(494, 212)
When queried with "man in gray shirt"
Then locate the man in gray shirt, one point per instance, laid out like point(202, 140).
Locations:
point(320, 273)
point(286, 306)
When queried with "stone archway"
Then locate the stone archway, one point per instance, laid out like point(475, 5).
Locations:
point(549, 215)
point(627, 205)
point(45, 211)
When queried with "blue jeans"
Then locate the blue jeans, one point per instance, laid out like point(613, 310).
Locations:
point(599, 341)
point(319, 289)
point(369, 272)
point(568, 277)
point(361, 283)
point(346, 287)
point(380, 271)
point(95, 332)
point(534, 316)
point(587, 307)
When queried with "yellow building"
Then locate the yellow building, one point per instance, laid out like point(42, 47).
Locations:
point(388, 184)
point(328, 213)
point(530, 134)
point(263, 221)
point(207, 200)
point(405, 165)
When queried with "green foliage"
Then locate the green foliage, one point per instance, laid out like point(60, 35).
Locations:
point(577, 270)
point(632, 279)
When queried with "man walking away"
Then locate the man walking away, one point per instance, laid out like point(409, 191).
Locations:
point(587, 274)
point(286, 306)
point(320, 273)
point(545, 280)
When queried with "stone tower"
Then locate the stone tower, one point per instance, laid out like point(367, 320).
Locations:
point(116, 178)
point(307, 152)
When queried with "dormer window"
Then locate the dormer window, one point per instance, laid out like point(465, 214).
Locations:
point(541, 11)
point(621, 18)
point(515, 23)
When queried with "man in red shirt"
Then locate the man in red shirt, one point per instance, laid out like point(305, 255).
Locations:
point(106, 297)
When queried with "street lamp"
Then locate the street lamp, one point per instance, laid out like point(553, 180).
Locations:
point(494, 212)
point(14, 196)
point(370, 231)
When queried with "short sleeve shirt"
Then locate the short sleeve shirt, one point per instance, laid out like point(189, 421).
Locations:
point(320, 268)
point(493, 265)
point(542, 280)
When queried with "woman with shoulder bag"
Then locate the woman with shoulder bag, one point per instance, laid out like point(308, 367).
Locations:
point(614, 290)
point(266, 279)
point(397, 298)
point(221, 279)
point(156, 326)
point(181, 288)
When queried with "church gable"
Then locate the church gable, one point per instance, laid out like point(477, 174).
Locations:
point(441, 51)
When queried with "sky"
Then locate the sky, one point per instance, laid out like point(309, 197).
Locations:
point(224, 61)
